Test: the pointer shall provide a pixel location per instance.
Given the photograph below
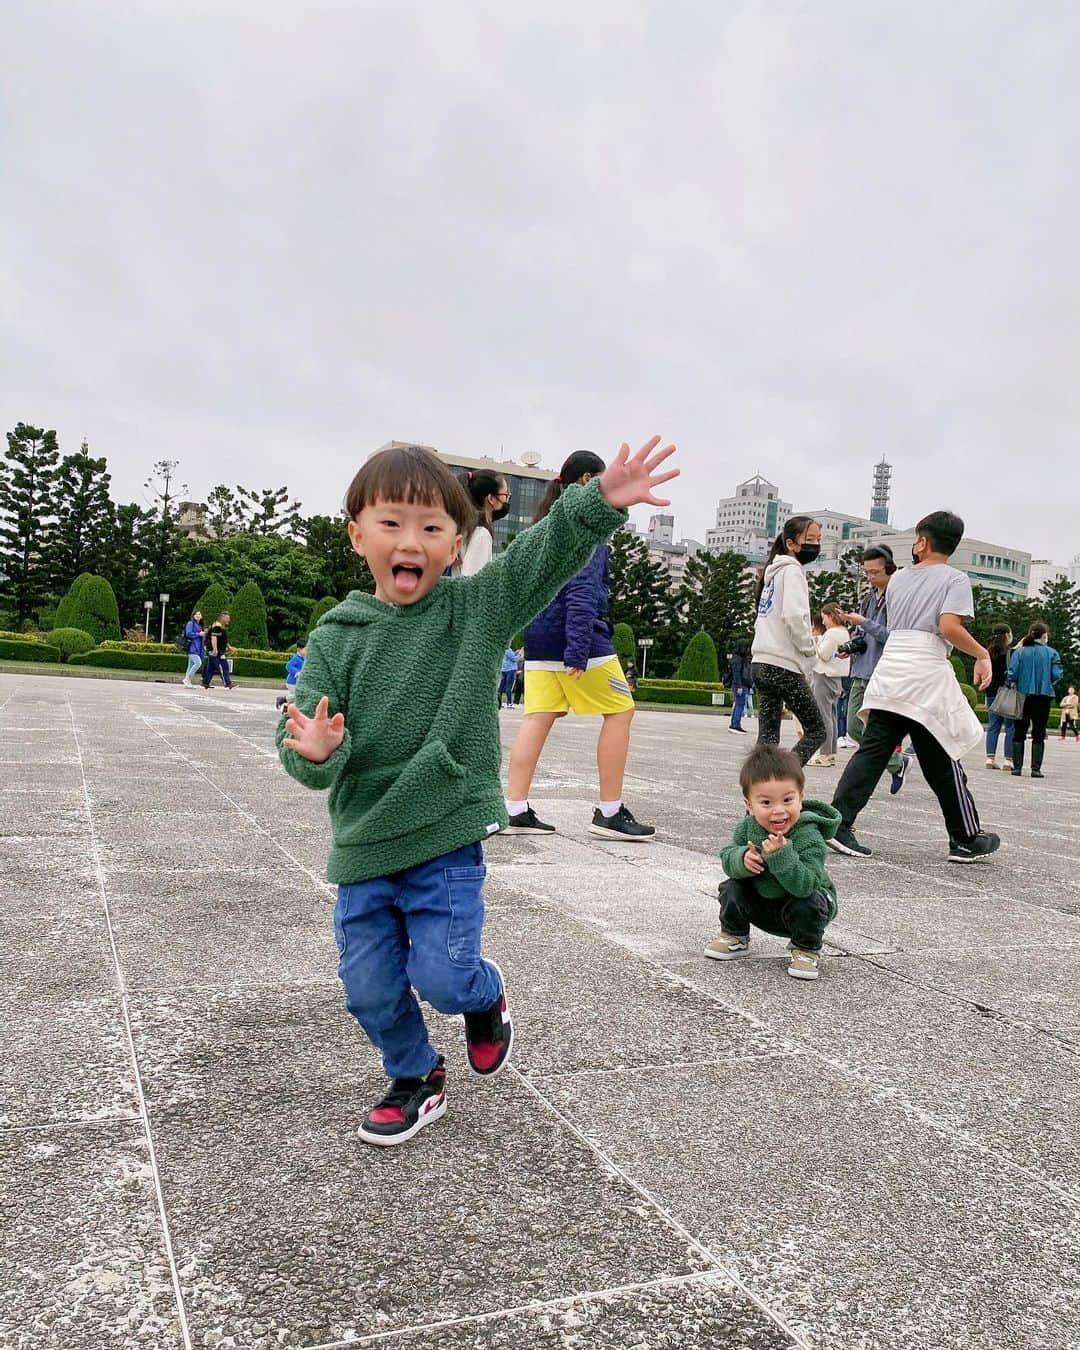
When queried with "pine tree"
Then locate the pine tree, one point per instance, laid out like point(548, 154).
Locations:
point(163, 541)
point(1058, 605)
point(718, 597)
point(222, 512)
point(840, 587)
point(699, 660)
point(85, 517)
point(640, 589)
point(27, 474)
point(127, 561)
point(247, 627)
point(267, 511)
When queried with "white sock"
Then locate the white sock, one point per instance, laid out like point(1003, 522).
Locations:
point(609, 809)
point(515, 808)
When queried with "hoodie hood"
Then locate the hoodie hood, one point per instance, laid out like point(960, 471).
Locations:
point(781, 560)
point(825, 816)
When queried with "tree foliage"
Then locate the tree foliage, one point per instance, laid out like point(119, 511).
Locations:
point(213, 601)
point(699, 660)
point(718, 597)
point(85, 518)
point(91, 605)
point(319, 608)
point(622, 638)
point(840, 587)
point(27, 478)
point(327, 539)
point(266, 511)
point(248, 618)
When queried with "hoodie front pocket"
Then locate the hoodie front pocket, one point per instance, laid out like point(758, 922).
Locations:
point(430, 786)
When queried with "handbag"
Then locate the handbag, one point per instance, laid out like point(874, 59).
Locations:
point(1008, 702)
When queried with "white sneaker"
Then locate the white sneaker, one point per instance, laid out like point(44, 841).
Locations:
point(187, 684)
point(845, 743)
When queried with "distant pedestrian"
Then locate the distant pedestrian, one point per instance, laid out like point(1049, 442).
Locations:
point(217, 662)
point(631, 676)
point(1034, 667)
point(783, 649)
point(519, 677)
point(827, 677)
point(1068, 715)
point(508, 677)
point(193, 641)
point(1000, 641)
point(293, 667)
point(490, 496)
point(742, 681)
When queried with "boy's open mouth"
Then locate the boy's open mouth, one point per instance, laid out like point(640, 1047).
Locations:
point(407, 577)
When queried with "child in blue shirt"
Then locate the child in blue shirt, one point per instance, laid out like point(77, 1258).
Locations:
point(292, 670)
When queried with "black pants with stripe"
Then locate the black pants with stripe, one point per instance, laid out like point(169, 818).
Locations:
point(945, 775)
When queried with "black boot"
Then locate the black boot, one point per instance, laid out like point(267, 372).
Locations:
point(1018, 759)
point(1037, 750)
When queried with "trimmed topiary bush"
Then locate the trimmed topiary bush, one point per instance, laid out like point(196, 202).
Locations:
point(71, 641)
point(213, 601)
point(247, 623)
point(971, 694)
point(16, 649)
point(623, 639)
point(91, 606)
point(321, 607)
point(699, 660)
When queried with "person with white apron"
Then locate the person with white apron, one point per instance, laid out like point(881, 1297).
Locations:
point(914, 691)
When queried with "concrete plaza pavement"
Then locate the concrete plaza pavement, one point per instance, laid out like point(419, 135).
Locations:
point(685, 1153)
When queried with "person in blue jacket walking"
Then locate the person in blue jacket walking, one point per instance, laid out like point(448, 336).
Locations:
point(507, 677)
point(570, 664)
point(293, 667)
point(1034, 668)
point(741, 683)
point(193, 640)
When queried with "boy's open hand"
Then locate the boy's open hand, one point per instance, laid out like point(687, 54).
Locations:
point(629, 482)
point(317, 737)
point(773, 844)
point(752, 861)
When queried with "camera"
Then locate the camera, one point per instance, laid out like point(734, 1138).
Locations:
point(855, 646)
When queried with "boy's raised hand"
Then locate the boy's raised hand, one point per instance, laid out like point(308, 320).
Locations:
point(630, 481)
point(316, 737)
point(752, 861)
point(773, 844)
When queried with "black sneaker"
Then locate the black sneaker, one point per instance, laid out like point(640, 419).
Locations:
point(410, 1104)
point(901, 773)
point(844, 841)
point(527, 822)
point(489, 1035)
point(976, 848)
point(621, 825)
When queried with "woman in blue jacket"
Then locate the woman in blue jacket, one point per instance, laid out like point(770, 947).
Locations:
point(570, 663)
point(1035, 667)
point(193, 639)
point(741, 683)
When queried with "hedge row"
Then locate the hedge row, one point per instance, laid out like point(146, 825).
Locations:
point(170, 649)
point(18, 650)
point(174, 661)
point(22, 637)
point(713, 685)
point(668, 691)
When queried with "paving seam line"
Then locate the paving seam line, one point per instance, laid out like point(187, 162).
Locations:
point(844, 1070)
point(76, 1123)
point(125, 1014)
point(711, 1276)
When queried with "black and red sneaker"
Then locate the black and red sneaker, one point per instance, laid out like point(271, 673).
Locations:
point(489, 1035)
point(410, 1104)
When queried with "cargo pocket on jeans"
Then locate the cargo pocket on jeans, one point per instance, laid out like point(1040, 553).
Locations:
point(464, 891)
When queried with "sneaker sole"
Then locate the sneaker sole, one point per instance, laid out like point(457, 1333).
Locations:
point(978, 858)
point(847, 852)
point(525, 829)
point(507, 1021)
point(433, 1113)
point(618, 834)
point(802, 974)
point(725, 956)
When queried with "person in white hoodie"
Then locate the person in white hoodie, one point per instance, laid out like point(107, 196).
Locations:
point(491, 497)
point(784, 650)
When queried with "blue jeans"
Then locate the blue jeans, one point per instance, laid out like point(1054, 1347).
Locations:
point(994, 724)
point(194, 661)
point(415, 930)
point(841, 709)
point(216, 665)
point(741, 697)
point(506, 685)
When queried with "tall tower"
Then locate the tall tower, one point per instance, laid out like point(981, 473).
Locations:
point(879, 512)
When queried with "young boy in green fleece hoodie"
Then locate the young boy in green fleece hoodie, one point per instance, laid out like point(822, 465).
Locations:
point(394, 715)
point(776, 864)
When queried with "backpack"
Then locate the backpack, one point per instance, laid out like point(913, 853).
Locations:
point(183, 644)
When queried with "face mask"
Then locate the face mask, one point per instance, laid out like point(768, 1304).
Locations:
point(502, 511)
point(807, 554)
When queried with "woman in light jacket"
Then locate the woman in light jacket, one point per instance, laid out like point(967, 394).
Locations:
point(1034, 668)
point(491, 497)
point(827, 678)
point(784, 649)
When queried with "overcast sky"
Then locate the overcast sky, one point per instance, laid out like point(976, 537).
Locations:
point(265, 238)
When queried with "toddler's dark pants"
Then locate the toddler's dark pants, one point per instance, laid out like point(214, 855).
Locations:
point(802, 918)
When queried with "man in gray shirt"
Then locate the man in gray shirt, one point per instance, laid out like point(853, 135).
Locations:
point(929, 598)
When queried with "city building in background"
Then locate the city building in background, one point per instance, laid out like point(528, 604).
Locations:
point(748, 522)
point(1043, 571)
point(995, 567)
point(526, 480)
point(879, 510)
point(659, 538)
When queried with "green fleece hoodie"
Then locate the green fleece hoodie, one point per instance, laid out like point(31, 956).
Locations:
point(796, 869)
point(417, 774)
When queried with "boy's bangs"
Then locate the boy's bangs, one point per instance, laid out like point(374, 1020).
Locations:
point(413, 476)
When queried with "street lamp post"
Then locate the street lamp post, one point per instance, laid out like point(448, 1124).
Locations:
point(644, 644)
point(148, 605)
point(164, 598)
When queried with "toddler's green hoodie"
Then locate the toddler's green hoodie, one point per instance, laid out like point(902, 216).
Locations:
point(796, 869)
point(417, 774)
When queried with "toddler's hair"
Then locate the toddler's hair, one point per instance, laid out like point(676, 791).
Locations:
point(766, 762)
point(409, 473)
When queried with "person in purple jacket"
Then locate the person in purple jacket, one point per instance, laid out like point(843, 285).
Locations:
point(570, 664)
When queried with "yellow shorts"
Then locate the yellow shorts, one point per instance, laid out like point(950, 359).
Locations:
point(602, 689)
